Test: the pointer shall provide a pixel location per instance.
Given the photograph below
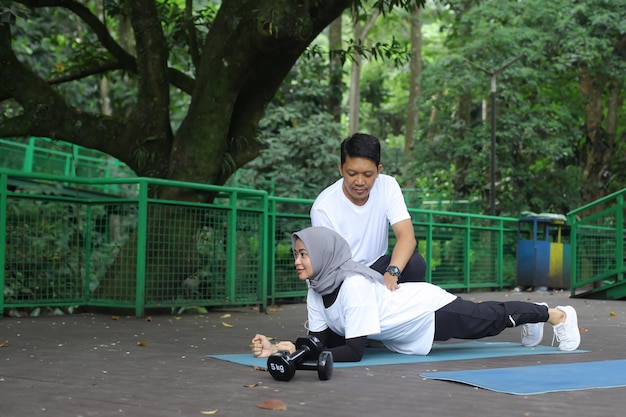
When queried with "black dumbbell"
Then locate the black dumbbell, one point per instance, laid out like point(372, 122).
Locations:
point(309, 355)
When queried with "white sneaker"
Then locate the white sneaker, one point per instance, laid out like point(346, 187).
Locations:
point(567, 333)
point(532, 333)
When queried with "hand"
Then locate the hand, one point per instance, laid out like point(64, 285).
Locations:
point(288, 346)
point(391, 282)
point(261, 346)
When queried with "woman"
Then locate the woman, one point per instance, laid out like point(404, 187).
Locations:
point(348, 303)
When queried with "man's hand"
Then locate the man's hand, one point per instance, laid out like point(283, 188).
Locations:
point(391, 282)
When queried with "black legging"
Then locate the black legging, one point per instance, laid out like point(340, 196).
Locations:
point(463, 319)
point(414, 271)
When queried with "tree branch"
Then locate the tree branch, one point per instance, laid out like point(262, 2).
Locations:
point(44, 111)
point(191, 31)
point(86, 72)
point(127, 62)
point(96, 25)
point(152, 70)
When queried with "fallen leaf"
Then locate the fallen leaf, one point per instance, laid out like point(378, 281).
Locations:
point(273, 404)
point(258, 368)
point(613, 314)
point(209, 412)
point(149, 318)
point(252, 385)
point(226, 324)
point(225, 316)
point(3, 344)
point(115, 317)
point(142, 344)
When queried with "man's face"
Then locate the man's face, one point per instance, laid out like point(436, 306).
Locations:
point(359, 175)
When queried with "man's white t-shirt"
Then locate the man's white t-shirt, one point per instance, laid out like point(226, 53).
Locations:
point(403, 320)
point(366, 227)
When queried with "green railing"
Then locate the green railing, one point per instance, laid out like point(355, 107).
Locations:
point(131, 252)
point(56, 157)
point(467, 251)
point(45, 156)
point(136, 252)
point(598, 255)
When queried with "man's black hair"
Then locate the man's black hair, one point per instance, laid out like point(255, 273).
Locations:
point(361, 145)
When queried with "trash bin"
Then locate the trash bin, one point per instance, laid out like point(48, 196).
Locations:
point(543, 252)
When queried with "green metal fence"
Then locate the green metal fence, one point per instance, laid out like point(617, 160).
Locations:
point(45, 156)
point(598, 253)
point(136, 252)
point(467, 251)
point(130, 252)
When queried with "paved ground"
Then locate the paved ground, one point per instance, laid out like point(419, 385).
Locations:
point(100, 365)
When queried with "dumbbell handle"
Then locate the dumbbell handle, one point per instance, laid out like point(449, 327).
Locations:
point(298, 355)
point(307, 365)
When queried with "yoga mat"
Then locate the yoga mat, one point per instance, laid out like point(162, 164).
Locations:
point(439, 353)
point(540, 379)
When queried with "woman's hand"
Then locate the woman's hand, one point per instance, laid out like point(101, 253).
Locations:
point(288, 346)
point(262, 347)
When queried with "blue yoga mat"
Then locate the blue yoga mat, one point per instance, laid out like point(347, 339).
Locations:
point(540, 379)
point(439, 353)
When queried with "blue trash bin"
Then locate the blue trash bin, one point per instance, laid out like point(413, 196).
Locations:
point(543, 253)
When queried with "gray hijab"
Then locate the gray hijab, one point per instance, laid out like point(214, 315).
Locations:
point(331, 259)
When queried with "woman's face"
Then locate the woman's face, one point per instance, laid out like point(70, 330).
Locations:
point(302, 261)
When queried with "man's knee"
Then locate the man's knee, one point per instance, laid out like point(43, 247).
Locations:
point(415, 270)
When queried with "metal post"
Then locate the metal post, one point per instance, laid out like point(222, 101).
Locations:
point(493, 75)
point(493, 146)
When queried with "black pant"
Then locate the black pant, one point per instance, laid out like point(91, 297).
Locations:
point(414, 271)
point(463, 319)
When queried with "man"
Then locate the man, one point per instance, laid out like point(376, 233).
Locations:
point(361, 205)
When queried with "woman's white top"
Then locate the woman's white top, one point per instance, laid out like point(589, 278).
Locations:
point(403, 320)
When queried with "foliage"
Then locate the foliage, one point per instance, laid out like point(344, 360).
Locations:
point(46, 252)
point(302, 142)
point(540, 112)
point(539, 115)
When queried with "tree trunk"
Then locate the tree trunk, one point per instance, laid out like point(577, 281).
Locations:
point(432, 131)
point(354, 95)
point(462, 163)
point(415, 86)
point(615, 101)
point(598, 147)
point(336, 60)
point(360, 34)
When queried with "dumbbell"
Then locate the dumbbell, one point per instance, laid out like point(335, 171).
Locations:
point(309, 356)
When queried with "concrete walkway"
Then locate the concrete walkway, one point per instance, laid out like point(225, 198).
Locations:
point(101, 365)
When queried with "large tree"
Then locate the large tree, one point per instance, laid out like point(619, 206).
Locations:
point(226, 59)
point(231, 72)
